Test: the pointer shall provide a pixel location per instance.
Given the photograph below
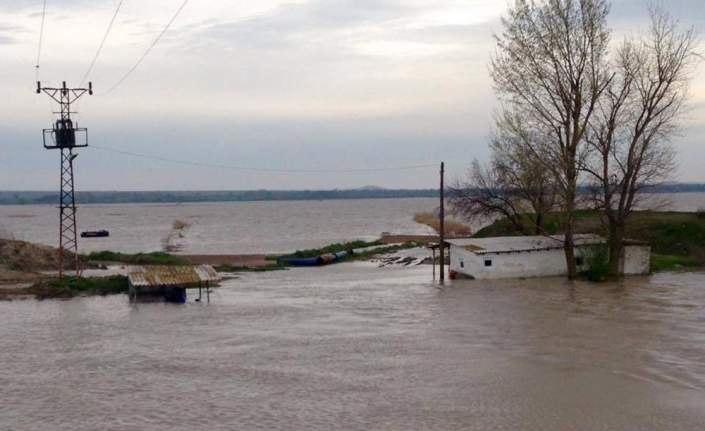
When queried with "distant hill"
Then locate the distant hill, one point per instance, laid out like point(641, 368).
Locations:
point(369, 188)
point(368, 192)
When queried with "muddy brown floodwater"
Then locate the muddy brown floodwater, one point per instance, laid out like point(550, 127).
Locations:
point(356, 347)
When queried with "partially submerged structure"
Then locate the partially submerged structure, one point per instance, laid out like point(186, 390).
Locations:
point(535, 256)
point(170, 281)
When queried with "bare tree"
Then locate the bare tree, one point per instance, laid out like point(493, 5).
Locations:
point(514, 185)
point(637, 117)
point(550, 65)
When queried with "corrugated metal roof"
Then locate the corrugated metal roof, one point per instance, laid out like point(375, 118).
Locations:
point(171, 275)
point(512, 244)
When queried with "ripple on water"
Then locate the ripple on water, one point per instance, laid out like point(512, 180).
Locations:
point(354, 347)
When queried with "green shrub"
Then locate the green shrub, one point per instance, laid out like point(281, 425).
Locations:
point(115, 284)
point(154, 258)
point(596, 258)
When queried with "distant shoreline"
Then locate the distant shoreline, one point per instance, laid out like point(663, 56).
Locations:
point(129, 197)
point(134, 197)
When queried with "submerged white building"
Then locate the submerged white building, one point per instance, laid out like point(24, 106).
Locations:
point(534, 256)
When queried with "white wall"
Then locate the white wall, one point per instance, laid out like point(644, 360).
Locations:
point(636, 260)
point(541, 263)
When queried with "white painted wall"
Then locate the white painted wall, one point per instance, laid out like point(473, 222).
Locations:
point(636, 260)
point(543, 263)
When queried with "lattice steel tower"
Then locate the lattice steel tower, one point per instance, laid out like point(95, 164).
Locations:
point(63, 137)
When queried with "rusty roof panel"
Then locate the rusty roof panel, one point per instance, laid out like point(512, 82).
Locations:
point(171, 275)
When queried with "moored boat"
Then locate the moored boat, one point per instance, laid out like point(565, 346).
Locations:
point(94, 233)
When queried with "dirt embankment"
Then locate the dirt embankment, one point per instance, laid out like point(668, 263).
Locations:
point(19, 265)
point(25, 256)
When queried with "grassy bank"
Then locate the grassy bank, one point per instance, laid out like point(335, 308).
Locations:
point(154, 258)
point(662, 262)
point(226, 267)
point(677, 239)
point(379, 247)
point(333, 248)
point(69, 287)
point(114, 284)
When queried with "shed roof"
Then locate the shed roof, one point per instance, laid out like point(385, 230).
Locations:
point(158, 275)
point(514, 244)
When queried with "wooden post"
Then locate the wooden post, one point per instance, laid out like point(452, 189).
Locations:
point(442, 229)
point(433, 262)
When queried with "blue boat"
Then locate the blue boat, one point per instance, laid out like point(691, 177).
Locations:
point(314, 261)
point(94, 233)
point(298, 261)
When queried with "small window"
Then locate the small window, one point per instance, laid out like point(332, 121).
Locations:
point(488, 262)
point(462, 264)
point(579, 261)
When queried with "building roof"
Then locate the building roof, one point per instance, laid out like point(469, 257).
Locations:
point(514, 244)
point(159, 275)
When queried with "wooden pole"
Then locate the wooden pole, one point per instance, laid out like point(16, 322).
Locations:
point(442, 230)
point(434, 263)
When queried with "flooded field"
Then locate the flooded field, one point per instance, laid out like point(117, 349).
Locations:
point(356, 347)
point(222, 227)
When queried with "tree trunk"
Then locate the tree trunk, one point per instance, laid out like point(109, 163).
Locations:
point(616, 245)
point(569, 245)
point(539, 221)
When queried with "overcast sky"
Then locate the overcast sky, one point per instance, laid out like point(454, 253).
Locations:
point(299, 85)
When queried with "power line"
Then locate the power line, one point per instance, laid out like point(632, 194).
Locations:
point(148, 50)
point(41, 34)
point(101, 43)
point(244, 168)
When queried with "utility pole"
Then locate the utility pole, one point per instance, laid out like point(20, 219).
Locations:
point(441, 243)
point(63, 137)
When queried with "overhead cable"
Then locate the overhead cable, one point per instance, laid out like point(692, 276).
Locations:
point(146, 52)
point(244, 168)
point(101, 43)
point(41, 34)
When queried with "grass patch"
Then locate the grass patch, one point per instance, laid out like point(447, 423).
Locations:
point(226, 267)
point(154, 258)
point(179, 225)
point(663, 262)
point(333, 248)
point(596, 259)
point(115, 284)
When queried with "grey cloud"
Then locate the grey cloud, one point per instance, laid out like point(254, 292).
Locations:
point(7, 32)
point(632, 15)
point(36, 5)
point(317, 24)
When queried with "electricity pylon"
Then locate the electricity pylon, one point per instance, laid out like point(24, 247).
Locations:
point(63, 137)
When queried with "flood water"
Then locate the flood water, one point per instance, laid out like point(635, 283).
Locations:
point(222, 227)
point(349, 346)
point(356, 347)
